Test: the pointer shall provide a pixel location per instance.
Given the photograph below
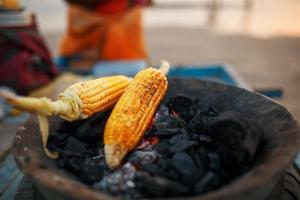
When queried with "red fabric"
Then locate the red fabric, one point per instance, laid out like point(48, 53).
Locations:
point(25, 62)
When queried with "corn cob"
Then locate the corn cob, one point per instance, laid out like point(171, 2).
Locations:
point(78, 101)
point(133, 112)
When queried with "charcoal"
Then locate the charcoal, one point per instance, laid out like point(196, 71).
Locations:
point(162, 147)
point(239, 137)
point(183, 124)
point(162, 111)
point(92, 152)
point(161, 125)
point(91, 129)
point(152, 169)
point(214, 161)
point(119, 181)
point(154, 186)
point(69, 127)
point(143, 157)
point(91, 171)
point(201, 158)
point(74, 164)
point(191, 149)
point(62, 161)
point(183, 163)
point(168, 131)
point(184, 137)
point(208, 182)
point(201, 122)
point(74, 145)
point(181, 105)
point(57, 140)
point(200, 138)
point(182, 146)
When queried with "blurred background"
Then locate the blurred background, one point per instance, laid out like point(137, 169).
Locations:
point(258, 39)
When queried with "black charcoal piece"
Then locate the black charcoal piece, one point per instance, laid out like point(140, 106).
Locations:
point(162, 147)
point(214, 162)
point(154, 186)
point(74, 145)
point(181, 105)
point(168, 131)
point(62, 161)
point(201, 158)
point(209, 182)
point(69, 127)
point(200, 138)
point(161, 125)
point(57, 141)
point(91, 171)
point(91, 130)
point(184, 137)
point(201, 122)
point(182, 146)
point(183, 163)
point(237, 135)
point(152, 169)
point(143, 157)
point(75, 164)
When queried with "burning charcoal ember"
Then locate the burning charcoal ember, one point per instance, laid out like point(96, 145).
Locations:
point(181, 106)
point(209, 182)
point(154, 186)
point(184, 164)
point(91, 171)
point(143, 157)
point(119, 181)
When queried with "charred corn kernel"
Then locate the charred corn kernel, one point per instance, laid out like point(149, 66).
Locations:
point(78, 101)
point(133, 112)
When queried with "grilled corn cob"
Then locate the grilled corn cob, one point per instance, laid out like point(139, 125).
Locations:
point(133, 113)
point(78, 101)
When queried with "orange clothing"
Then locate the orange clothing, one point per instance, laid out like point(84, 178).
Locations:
point(98, 36)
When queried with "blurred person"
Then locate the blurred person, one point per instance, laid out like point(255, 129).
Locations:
point(103, 30)
point(25, 62)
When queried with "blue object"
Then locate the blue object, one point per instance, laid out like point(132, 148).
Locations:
point(271, 92)
point(125, 67)
point(216, 72)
